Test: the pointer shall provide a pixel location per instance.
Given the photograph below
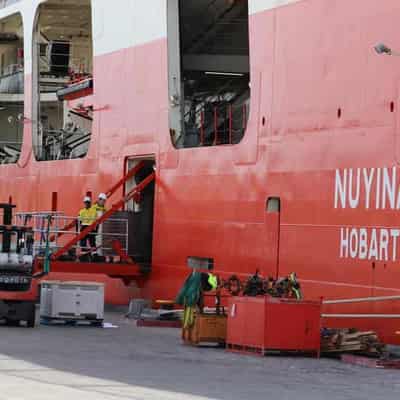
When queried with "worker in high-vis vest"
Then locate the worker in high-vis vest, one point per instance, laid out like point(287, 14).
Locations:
point(100, 205)
point(209, 282)
point(213, 281)
point(99, 209)
point(87, 216)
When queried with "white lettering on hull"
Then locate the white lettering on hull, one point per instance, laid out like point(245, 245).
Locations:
point(369, 244)
point(354, 199)
point(354, 188)
point(341, 188)
point(368, 189)
point(368, 179)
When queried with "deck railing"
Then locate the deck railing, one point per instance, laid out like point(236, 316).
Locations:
point(361, 300)
point(112, 229)
point(6, 3)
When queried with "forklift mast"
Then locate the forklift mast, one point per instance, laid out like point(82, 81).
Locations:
point(7, 221)
point(16, 269)
point(15, 256)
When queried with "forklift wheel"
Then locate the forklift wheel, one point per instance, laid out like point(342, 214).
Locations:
point(30, 323)
point(13, 322)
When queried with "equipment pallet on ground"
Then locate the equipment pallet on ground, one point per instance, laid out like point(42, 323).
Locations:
point(233, 348)
point(257, 351)
point(71, 322)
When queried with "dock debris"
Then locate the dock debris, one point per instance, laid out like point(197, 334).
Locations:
point(351, 341)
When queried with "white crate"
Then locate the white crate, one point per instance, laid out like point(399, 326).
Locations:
point(72, 300)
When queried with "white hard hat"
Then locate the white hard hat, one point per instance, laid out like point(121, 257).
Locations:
point(102, 196)
point(87, 199)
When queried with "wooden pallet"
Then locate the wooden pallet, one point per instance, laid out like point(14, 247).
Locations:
point(235, 348)
point(70, 322)
point(254, 351)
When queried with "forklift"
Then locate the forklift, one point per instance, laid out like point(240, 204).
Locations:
point(16, 271)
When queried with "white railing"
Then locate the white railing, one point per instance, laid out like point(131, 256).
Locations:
point(111, 229)
point(6, 3)
point(361, 300)
point(361, 316)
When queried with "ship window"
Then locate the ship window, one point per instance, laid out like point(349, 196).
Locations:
point(209, 73)
point(273, 205)
point(200, 263)
point(11, 89)
point(62, 80)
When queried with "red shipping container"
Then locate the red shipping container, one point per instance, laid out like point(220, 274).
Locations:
point(266, 323)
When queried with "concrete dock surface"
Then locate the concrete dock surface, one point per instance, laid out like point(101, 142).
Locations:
point(51, 362)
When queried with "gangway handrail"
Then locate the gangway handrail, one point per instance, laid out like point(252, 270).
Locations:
point(105, 216)
point(114, 230)
point(132, 172)
point(360, 316)
point(361, 300)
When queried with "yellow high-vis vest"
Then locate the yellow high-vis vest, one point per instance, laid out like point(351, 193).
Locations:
point(213, 281)
point(87, 216)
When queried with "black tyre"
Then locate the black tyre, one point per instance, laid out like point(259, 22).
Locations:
point(12, 322)
point(30, 323)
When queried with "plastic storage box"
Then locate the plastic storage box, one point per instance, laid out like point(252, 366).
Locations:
point(72, 300)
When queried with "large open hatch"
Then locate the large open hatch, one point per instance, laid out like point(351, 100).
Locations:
point(209, 73)
point(63, 58)
point(11, 88)
point(141, 212)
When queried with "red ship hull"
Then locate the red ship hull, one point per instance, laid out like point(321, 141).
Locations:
point(322, 102)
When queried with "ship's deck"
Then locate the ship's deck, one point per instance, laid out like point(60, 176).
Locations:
point(148, 363)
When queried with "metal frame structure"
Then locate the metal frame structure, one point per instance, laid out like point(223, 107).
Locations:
point(117, 206)
point(127, 269)
point(361, 300)
point(128, 175)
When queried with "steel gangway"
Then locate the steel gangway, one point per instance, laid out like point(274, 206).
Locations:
point(57, 249)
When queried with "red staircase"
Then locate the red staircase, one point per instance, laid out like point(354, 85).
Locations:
point(126, 269)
